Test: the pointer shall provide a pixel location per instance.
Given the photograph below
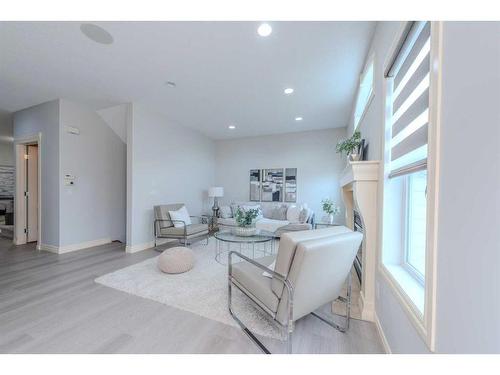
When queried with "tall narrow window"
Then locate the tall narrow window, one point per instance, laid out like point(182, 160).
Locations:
point(365, 92)
point(411, 173)
point(408, 82)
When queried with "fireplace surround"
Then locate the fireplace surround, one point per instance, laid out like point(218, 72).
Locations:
point(359, 183)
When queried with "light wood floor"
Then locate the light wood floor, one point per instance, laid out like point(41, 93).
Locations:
point(50, 304)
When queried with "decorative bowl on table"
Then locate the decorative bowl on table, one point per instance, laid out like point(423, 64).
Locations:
point(244, 231)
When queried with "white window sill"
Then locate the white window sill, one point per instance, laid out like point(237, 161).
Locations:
point(409, 285)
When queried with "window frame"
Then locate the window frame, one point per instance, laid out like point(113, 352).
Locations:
point(369, 61)
point(423, 321)
point(410, 268)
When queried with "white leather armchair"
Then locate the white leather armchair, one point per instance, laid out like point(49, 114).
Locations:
point(310, 271)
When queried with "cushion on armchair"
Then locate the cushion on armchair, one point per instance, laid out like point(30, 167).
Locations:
point(193, 229)
point(161, 214)
point(180, 214)
point(250, 279)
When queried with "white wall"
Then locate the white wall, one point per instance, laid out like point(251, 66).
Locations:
point(44, 118)
point(468, 252)
point(95, 207)
point(166, 164)
point(116, 118)
point(312, 153)
point(469, 201)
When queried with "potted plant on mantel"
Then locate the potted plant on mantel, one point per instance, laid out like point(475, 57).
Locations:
point(351, 147)
point(245, 219)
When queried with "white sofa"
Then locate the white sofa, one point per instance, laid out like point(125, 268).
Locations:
point(268, 222)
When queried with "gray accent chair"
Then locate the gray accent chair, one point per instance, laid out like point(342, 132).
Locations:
point(310, 271)
point(164, 226)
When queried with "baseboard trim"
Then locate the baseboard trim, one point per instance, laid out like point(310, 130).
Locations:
point(83, 245)
point(49, 248)
point(381, 333)
point(74, 247)
point(139, 247)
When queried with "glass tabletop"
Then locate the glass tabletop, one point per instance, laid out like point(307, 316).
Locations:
point(228, 236)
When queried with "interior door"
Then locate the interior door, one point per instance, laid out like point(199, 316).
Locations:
point(32, 193)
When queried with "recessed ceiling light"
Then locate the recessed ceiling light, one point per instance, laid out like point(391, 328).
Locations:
point(298, 118)
point(288, 91)
point(265, 30)
point(96, 33)
point(232, 127)
point(170, 84)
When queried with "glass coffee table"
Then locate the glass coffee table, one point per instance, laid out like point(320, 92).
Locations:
point(256, 246)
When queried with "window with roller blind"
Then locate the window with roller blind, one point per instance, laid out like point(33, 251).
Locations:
point(410, 74)
point(408, 83)
point(410, 181)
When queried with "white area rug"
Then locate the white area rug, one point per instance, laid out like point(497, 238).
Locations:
point(202, 291)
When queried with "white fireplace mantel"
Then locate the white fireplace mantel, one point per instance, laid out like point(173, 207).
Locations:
point(359, 171)
point(359, 183)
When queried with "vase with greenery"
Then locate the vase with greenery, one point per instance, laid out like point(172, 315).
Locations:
point(330, 209)
point(245, 219)
point(350, 146)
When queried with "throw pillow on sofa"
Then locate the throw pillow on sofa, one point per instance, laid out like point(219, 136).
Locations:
point(181, 214)
point(305, 213)
point(279, 212)
point(293, 214)
point(225, 212)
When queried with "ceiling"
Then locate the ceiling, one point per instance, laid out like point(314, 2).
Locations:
point(225, 73)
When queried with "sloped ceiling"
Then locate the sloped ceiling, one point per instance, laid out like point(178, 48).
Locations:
point(224, 72)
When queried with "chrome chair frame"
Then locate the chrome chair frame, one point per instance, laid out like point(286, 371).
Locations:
point(178, 237)
point(290, 324)
point(288, 285)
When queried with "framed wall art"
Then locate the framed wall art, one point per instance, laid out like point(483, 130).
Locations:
point(255, 185)
point(272, 185)
point(291, 185)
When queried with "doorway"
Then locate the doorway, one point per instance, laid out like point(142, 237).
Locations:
point(27, 203)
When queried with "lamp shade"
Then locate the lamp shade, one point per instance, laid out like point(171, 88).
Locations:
point(216, 192)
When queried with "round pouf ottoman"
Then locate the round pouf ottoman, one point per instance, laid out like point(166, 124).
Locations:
point(176, 260)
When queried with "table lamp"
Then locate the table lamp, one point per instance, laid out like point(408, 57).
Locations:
point(215, 192)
